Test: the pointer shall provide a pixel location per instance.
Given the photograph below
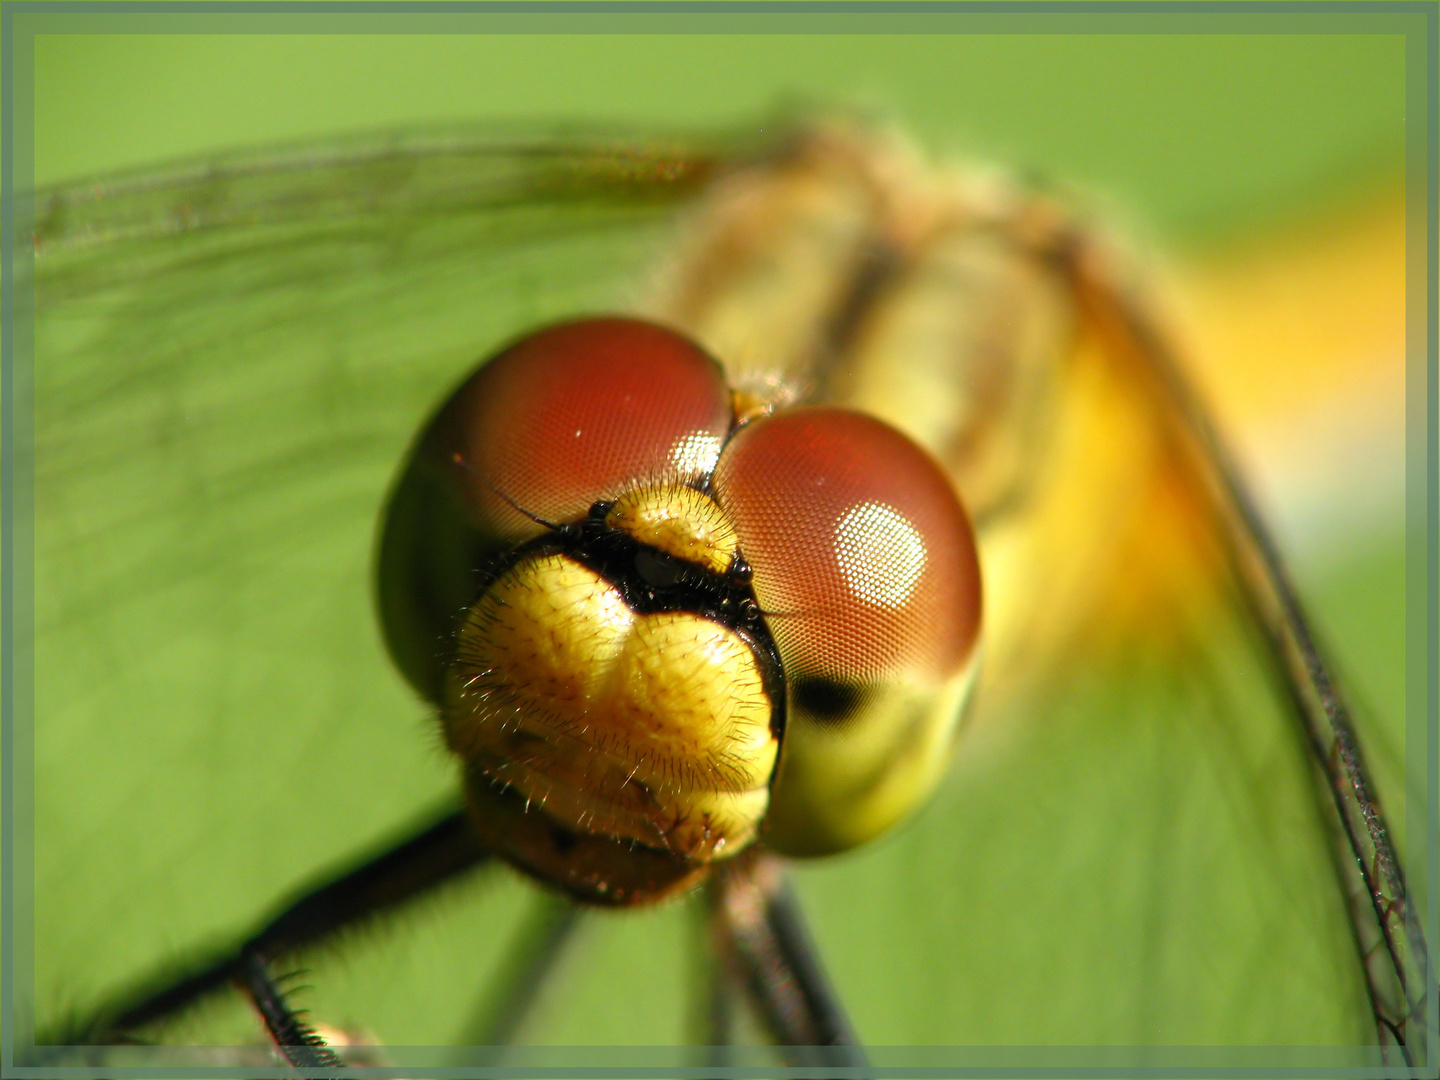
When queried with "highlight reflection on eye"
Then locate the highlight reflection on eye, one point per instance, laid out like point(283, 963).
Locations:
point(880, 554)
point(857, 540)
point(696, 454)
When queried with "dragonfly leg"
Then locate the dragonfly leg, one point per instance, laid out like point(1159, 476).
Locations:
point(719, 1019)
point(761, 931)
point(525, 972)
point(435, 854)
point(711, 1020)
point(297, 1040)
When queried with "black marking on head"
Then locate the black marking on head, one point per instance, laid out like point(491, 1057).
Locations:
point(829, 702)
point(652, 581)
point(658, 569)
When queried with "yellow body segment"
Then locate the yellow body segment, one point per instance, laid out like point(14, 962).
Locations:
point(651, 728)
point(679, 521)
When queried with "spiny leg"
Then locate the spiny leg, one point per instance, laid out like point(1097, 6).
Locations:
point(296, 1039)
point(761, 931)
point(434, 855)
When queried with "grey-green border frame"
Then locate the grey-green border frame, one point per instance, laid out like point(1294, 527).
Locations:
point(1416, 20)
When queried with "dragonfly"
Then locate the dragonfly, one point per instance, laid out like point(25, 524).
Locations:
point(1157, 831)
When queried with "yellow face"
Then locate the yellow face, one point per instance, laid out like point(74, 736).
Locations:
point(674, 622)
point(650, 727)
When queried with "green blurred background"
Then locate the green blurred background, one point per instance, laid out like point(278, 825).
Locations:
point(1191, 130)
point(1203, 142)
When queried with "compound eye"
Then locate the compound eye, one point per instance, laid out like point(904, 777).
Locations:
point(579, 413)
point(864, 561)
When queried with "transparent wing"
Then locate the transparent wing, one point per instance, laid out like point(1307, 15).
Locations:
point(1139, 841)
point(229, 364)
point(1387, 928)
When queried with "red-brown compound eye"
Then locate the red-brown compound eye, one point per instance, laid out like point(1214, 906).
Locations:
point(580, 412)
point(863, 558)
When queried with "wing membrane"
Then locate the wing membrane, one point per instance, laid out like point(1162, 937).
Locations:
point(1387, 931)
point(229, 362)
point(1132, 847)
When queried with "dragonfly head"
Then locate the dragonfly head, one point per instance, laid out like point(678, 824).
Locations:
point(647, 618)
